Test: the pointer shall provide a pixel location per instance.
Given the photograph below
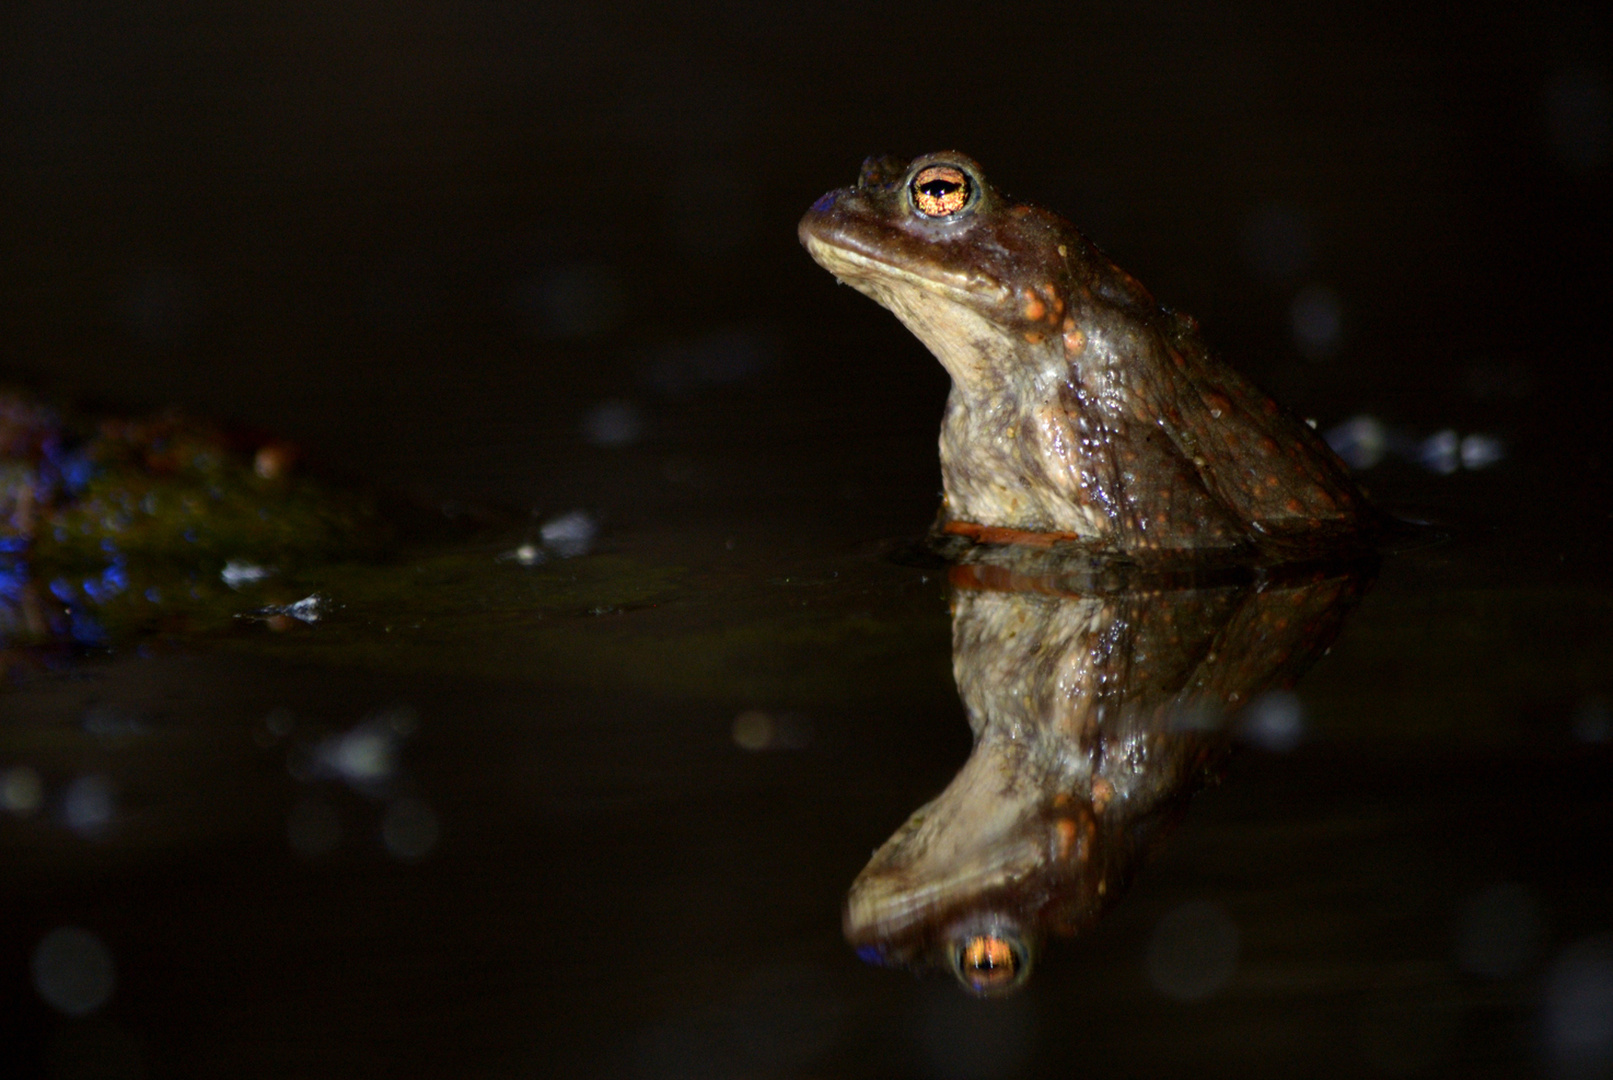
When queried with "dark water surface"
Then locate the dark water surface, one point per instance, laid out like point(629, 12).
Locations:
point(599, 816)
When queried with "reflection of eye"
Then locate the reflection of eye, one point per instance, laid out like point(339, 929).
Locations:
point(941, 190)
point(990, 963)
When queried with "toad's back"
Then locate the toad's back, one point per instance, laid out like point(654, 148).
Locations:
point(1080, 409)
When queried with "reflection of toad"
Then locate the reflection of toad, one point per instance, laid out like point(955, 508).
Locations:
point(1081, 410)
point(1096, 715)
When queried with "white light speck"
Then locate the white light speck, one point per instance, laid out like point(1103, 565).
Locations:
point(239, 572)
point(310, 609)
point(528, 554)
point(570, 534)
point(1482, 451)
point(364, 757)
point(1361, 441)
point(1440, 452)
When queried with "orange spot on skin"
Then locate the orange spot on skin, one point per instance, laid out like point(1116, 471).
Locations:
point(1034, 337)
point(1034, 308)
point(1066, 831)
point(1074, 342)
point(1272, 481)
point(1268, 444)
point(1294, 506)
point(1020, 211)
point(1102, 792)
point(1218, 404)
point(1058, 301)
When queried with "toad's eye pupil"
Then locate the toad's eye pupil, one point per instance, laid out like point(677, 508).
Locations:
point(940, 191)
point(989, 963)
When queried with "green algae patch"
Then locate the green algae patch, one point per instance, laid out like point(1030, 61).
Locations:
point(113, 528)
point(170, 532)
point(170, 490)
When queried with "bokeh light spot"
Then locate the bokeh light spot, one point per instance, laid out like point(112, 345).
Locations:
point(73, 971)
point(1316, 317)
point(1577, 1009)
point(22, 790)
point(1194, 951)
point(570, 535)
point(613, 423)
point(1499, 931)
point(90, 806)
point(1274, 721)
point(409, 829)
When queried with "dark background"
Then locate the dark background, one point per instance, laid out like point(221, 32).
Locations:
point(428, 242)
point(424, 238)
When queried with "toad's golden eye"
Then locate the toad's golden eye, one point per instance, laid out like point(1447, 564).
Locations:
point(990, 963)
point(941, 191)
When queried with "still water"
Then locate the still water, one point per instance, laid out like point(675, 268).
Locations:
point(589, 799)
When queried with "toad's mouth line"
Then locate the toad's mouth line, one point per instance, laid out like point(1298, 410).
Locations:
point(851, 265)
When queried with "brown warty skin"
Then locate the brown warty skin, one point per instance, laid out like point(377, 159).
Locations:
point(1081, 410)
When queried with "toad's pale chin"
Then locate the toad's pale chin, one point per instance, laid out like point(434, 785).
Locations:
point(973, 349)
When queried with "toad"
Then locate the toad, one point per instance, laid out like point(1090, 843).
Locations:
point(1082, 411)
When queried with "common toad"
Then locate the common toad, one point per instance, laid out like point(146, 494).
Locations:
point(1081, 409)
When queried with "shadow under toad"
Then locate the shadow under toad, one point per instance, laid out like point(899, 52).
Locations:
point(1098, 708)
